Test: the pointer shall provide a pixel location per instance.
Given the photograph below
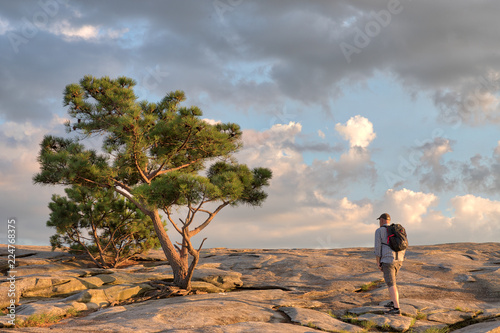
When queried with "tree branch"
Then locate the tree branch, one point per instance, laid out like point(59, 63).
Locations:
point(209, 219)
point(130, 197)
point(143, 175)
point(189, 216)
point(201, 245)
point(96, 240)
point(78, 240)
point(169, 216)
point(178, 248)
point(119, 183)
point(158, 171)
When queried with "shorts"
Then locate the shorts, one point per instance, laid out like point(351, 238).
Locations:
point(390, 272)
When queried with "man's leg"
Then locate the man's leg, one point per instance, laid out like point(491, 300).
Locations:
point(390, 272)
point(394, 294)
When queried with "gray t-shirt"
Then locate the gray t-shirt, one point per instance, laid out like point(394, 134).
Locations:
point(384, 251)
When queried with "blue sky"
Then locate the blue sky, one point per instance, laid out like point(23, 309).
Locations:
point(358, 108)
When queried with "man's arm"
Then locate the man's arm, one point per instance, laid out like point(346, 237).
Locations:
point(378, 248)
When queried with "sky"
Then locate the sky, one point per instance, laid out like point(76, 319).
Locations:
point(358, 108)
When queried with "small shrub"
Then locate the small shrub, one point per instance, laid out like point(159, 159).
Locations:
point(370, 286)
point(386, 327)
point(349, 317)
point(44, 319)
point(311, 325)
point(39, 320)
point(72, 312)
point(368, 324)
point(421, 316)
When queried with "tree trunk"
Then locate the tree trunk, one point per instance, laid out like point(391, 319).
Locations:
point(179, 264)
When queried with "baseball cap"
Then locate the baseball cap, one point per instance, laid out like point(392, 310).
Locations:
point(384, 216)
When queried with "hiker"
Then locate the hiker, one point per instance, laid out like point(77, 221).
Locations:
point(389, 262)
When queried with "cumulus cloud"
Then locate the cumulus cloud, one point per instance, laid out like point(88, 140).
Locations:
point(273, 149)
point(212, 121)
point(303, 224)
point(408, 206)
point(277, 148)
point(418, 212)
point(285, 222)
point(300, 210)
point(358, 131)
point(476, 218)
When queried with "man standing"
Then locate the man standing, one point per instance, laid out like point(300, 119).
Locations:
point(388, 261)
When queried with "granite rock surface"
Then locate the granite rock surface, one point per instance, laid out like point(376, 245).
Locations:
point(451, 286)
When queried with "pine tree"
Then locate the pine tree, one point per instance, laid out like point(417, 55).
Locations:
point(97, 222)
point(154, 155)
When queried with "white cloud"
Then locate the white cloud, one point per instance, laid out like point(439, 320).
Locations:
point(87, 32)
point(473, 219)
point(67, 30)
point(302, 209)
point(418, 213)
point(276, 149)
point(4, 26)
point(358, 131)
point(321, 134)
point(272, 149)
point(285, 222)
point(211, 121)
point(408, 206)
point(476, 217)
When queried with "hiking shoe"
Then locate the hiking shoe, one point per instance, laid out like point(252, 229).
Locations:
point(389, 305)
point(394, 311)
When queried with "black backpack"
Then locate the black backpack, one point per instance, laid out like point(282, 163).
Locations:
point(396, 237)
